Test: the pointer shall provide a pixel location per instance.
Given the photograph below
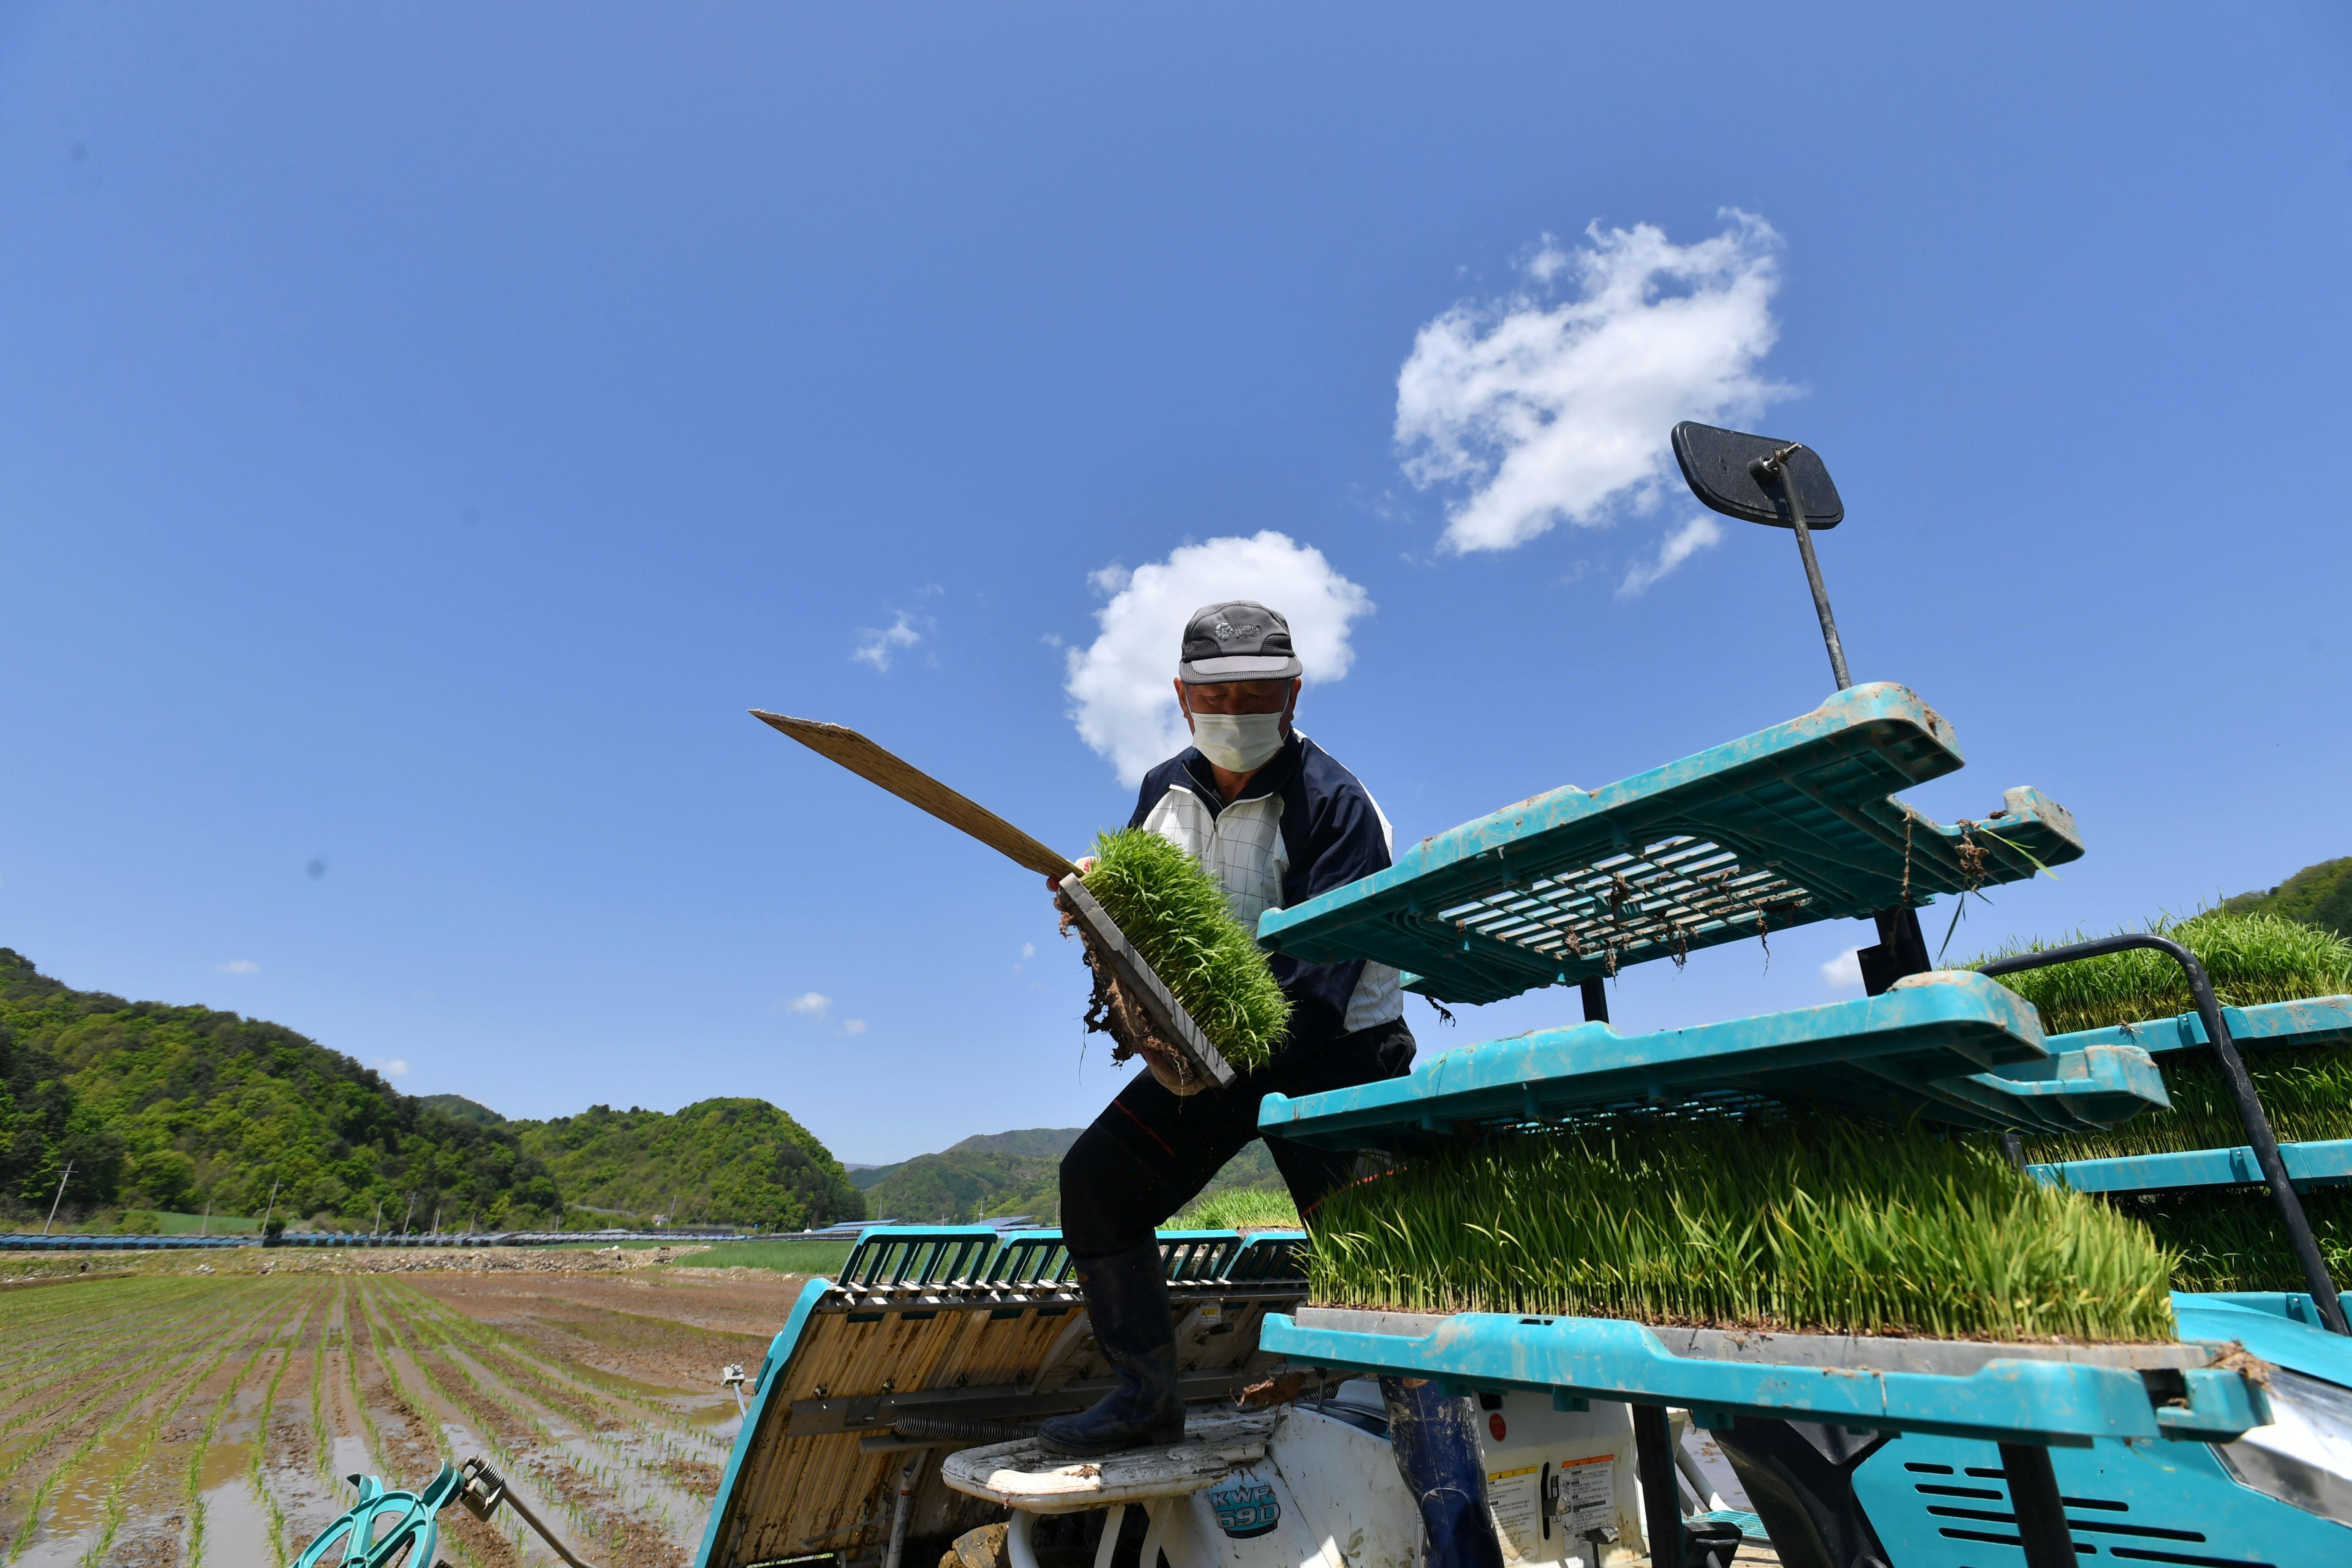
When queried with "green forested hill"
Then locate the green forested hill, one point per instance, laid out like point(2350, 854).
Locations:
point(2317, 895)
point(963, 1186)
point(1051, 1142)
point(998, 1173)
point(739, 1160)
point(183, 1107)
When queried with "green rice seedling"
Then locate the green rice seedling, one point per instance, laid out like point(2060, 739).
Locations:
point(1806, 1222)
point(2307, 1093)
point(2231, 1239)
point(1176, 915)
point(2251, 959)
point(1242, 1209)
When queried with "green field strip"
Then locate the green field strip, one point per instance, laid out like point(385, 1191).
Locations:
point(104, 1429)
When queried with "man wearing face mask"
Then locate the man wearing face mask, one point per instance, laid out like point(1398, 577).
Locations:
point(1276, 820)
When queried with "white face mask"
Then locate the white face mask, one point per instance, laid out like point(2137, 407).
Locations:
point(1238, 743)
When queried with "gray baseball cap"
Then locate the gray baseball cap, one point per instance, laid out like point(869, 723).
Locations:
point(1240, 640)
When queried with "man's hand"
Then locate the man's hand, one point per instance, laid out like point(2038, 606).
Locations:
point(1085, 864)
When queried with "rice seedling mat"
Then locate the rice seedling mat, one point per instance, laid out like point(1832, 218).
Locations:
point(945, 1322)
point(1786, 826)
point(2273, 1026)
point(2057, 1394)
point(1950, 1046)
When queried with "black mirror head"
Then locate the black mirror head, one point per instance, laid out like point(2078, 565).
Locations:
point(1723, 468)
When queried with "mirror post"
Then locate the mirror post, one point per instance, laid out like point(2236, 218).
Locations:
point(1777, 467)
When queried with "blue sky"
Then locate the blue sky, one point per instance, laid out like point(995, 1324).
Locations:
point(427, 430)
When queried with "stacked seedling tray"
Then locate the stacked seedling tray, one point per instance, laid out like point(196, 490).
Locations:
point(1791, 826)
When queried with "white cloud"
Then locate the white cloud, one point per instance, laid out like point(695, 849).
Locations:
point(853, 1026)
point(1029, 949)
point(1845, 972)
point(241, 966)
point(390, 1066)
point(1122, 697)
point(1557, 412)
point(879, 647)
point(1676, 548)
point(812, 1001)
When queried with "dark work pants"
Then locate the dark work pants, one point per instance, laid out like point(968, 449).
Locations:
point(1150, 1152)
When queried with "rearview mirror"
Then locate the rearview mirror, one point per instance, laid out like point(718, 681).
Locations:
point(1723, 470)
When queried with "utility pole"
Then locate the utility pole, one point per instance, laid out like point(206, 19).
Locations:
point(409, 1215)
point(436, 1222)
point(58, 1199)
point(378, 1229)
point(207, 1228)
point(271, 1212)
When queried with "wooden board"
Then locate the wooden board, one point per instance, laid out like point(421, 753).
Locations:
point(918, 788)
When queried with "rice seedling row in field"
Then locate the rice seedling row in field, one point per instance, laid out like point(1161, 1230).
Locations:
point(591, 1507)
point(620, 1435)
point(424, 1445)
point(583, 1491)
point(41, 1322)
point(596, 1408)
point(135, 1463)
point(685, 1463)
point(192, 1480)
point(91, 1396)
point(212, 1420)
point(73, 1353)
point(1804, 1223)
point(258, 1466)
point(172, 1373)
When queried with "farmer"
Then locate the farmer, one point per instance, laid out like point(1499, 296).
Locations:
point(1276, 820)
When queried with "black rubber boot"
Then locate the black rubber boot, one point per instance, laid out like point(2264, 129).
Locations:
point(1127, 1306)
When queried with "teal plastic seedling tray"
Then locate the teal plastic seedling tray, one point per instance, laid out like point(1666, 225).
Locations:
point(1951, 1047)
point(2049, 1394)
point(1786, 826)
point(2274, 1025)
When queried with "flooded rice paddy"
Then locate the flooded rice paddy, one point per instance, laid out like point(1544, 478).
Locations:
point(211, 1418)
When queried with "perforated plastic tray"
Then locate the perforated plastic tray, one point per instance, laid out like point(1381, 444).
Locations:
point(1789, 826)
point(2040, 1393)
point(1950, 1046)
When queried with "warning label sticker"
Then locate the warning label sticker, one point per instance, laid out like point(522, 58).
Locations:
point(1584, 1495)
